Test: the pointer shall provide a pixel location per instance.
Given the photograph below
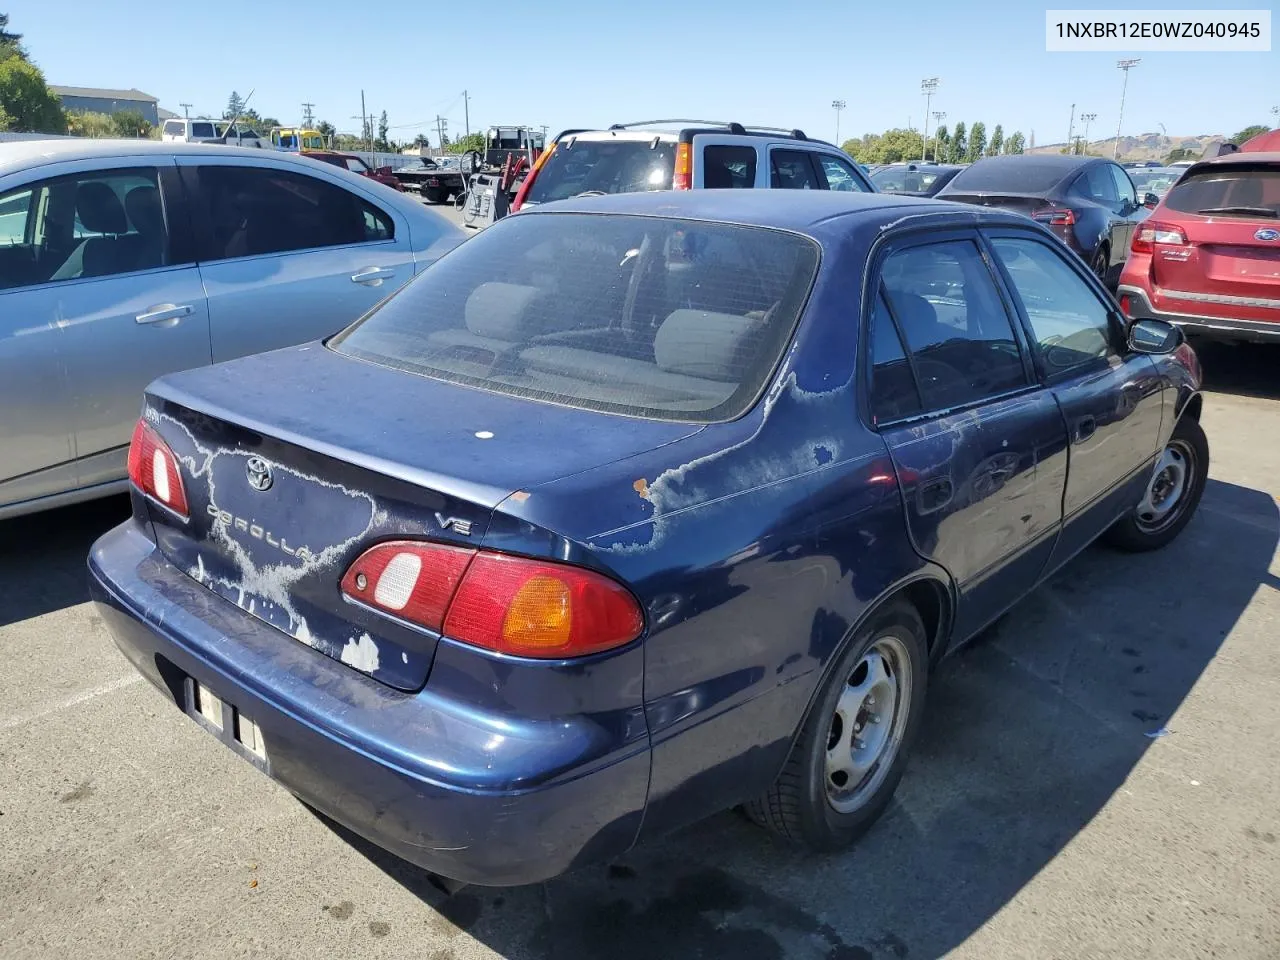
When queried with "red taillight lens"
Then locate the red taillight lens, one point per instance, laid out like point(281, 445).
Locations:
point(523, 192)
point(1124, 305)
point(408, 579)
point(514, 605)
point(154, 469)
point(683, 178)
point(534, 609)
point(1151, 232)
point(1055, 217)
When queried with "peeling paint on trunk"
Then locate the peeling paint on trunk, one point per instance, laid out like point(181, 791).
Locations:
point(361, 654)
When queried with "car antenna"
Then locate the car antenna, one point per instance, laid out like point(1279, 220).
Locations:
point(235, 123)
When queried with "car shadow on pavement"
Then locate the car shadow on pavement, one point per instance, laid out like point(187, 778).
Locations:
point(42, 556)
point(1245, 369)
point(1031, 730)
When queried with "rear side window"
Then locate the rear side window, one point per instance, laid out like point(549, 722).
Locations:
point(14, 209)
point(839, 174)
point(949, 312)
point(1228, 191)
point(580, 167)
point(893, 386)
point(728, 168)
point(655, 317)
point(257, 210)
point(792, 170)
point(203, 130)
point(1096, 184)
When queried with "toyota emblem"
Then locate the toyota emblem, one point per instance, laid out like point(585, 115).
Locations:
point(259, 473)
point(1267, 233)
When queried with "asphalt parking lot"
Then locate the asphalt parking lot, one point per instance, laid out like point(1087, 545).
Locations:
point(1040, 816)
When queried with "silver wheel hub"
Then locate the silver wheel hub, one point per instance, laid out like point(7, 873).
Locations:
point(1164, 493)
point(868, 724)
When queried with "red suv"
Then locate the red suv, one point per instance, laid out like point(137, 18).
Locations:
point(1208, 257)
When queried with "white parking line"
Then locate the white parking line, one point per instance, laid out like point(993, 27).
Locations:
point(8, 723)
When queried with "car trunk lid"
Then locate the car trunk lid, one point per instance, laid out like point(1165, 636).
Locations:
point(287, 485)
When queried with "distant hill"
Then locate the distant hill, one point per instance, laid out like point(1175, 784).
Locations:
point(1146, 146)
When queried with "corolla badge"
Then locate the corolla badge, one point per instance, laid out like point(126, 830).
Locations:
point(1267, 233)
point(259, 474)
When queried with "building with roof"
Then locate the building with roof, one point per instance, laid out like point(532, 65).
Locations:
point(97, 100)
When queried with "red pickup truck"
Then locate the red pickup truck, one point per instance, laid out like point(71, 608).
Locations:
point(353, 163)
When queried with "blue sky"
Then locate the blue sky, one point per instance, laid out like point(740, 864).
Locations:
point(576, 63)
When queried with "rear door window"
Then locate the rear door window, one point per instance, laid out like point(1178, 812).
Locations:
point(1124, 187)
point(726, 167)
point(792, 170)
point(1095, 183)
point(584, 167)
point(948, 309)
point(649, 316)
point(1228, 190)
point(893, 386)
point(256, 210)
point(839, 174)
point(203, 130)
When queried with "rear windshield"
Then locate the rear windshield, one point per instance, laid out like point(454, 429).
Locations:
point(1016, 176)
point(1228, 191)
point(603, 166)
point(891, 179)
point(175, 128)
point(655, 317)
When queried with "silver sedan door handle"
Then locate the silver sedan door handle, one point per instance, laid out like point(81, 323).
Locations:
point(164, 311)
point(372, 276)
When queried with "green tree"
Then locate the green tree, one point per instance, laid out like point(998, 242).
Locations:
point(1017, 143)
point(941, 144)
point(235, 107)
point(472, 141)
point(88, 124)
point(1249, 132)
point(131, 124)
point(27, 101)
point(10, 43)
point(326, 130)
point(382, 144)
point(959, 144)
point(1179, 153)
point(977, 142)
point(996, 145)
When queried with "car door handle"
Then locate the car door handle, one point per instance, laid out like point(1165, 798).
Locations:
point(164, 311)
point(934, 495)
point(1085, 428)
point(372, 276)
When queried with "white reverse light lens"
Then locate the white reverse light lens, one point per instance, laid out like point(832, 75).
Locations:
point(160, 475)
point(398, 579)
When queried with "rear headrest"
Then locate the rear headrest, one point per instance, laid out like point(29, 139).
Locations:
point(919, 320)
point(99, 208)
point(500, 311)
point(143, 206)
point(699, 343)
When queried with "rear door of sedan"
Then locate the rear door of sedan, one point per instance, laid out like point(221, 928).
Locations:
point(289, 255)
point(978, 445)
point(1110, 398)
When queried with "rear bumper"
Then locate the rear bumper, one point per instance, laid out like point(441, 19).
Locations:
point(1222, 328)
point(385, 764)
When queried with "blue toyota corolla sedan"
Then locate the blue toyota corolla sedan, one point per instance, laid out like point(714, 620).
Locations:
point(634, 508)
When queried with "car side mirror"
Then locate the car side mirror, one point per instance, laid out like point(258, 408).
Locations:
point(1154, 336)
point(1150, 201)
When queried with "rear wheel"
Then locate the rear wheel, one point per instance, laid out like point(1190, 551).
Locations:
point(433, 195)
point(846, 764)
point(1171, 497)
point(1101, 263)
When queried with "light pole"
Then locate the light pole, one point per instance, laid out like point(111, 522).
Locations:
point(938, 117)
point(1126, 66)
point(837, 106)
point(928, 87)
point(1087, 118)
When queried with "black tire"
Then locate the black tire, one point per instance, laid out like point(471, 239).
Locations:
point(433, 195)
point(1136, 533)
point(1101, 263)
point(798, 806)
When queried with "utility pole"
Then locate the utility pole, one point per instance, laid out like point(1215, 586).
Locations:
point(1086, 119)
point(928, 87)
point(837, 106)
point(938, 117)
point(1126, 66)
point(466, 111)
point(442, 125)
point(185, 107)
point(364, 122)
point(1071, 131)
point(307, 117)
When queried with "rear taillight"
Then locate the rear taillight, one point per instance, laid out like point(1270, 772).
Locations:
point(523, 192)
point(1055, 217)
point(512, 605)
point(408, 579)
point(1152, 232)
point(154, 469)
point(683, 178)
point(1125, 305)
